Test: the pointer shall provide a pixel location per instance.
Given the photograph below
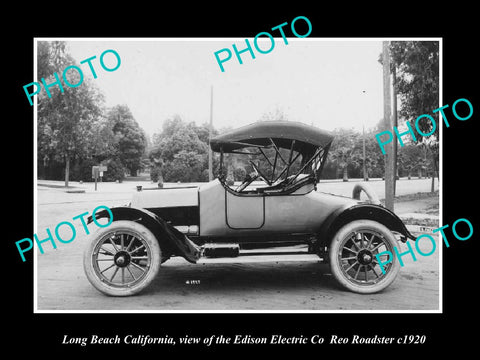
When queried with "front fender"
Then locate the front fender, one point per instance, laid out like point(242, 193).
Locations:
point(170, 239)
point(373, 212)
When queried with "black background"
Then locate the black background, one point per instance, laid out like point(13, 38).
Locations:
point(43, 333)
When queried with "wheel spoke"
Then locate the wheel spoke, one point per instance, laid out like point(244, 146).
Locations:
point(106, 252)
point(351, 266)
point(346, 248)
point(365, 268)
point(121, 242)
point(385, 266)
point(101, 272)
point(358, 271)
point(138, 267)
point(135, 250)
point(370, 241)
point(133, 276)
point(374, 271)
point(104, 259)
point(114, 273)
point(376, 247)
point(355, 244)
point(123, 275)
point(349, 258)
point(139, 257)
point(360, 237)
point(375, 258)
point(114, 246)
point(130, 243)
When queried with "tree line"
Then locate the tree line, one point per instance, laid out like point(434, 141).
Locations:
point(77, 131)
point(346, 157)
point(180, 153)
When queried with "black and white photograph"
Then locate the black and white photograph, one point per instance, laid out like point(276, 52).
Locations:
point(254, 186)
point(274, 182)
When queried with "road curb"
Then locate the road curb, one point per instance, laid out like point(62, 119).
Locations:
point(420, 223)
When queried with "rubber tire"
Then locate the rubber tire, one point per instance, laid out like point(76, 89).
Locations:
point(335, 267)
point(142, 232)
point(367, 189)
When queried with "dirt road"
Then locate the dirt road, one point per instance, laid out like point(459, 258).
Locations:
point(181, 286)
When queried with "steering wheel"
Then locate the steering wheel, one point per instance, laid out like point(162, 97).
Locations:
point(247, 181)
point(259, 173)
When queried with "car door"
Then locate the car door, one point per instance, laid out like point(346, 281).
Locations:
point(244, 211)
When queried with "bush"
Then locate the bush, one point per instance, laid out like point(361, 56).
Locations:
point(82, 170)
point(116, 171)
point(239, 174)
point(155, 173)
point(187, 166)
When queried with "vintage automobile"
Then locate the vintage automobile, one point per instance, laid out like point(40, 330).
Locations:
point(272, 214)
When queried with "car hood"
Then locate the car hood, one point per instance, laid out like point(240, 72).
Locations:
point(166, 197)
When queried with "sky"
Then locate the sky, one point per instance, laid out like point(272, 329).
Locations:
point(328, 83)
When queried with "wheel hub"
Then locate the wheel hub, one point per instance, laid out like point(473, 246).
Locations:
point(365, 257)
point(122, 259)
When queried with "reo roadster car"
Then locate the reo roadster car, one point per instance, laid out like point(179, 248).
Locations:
point(278, 210)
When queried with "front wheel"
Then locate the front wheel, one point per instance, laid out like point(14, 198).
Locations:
point(123, 259)
point(352, 256)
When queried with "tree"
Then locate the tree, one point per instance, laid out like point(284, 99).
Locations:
point(276, 114)
point(410, 158)
point(203, 133)
point(102, 151)
point(130, 139)
point(186, 166)
point(343, 151)
point(116, 170)
point(66, 120)
point(178, 154)
point(51, 56)
point(417, 83)
point(374, 159)
point(103, 140)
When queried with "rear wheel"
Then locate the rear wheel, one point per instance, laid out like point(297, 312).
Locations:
point(123, 259)
point(353, 260)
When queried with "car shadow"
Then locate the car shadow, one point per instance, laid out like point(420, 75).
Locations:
point(270, 276)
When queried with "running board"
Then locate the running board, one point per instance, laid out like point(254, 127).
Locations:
point(275, 258)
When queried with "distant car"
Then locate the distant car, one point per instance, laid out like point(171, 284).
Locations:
point(275, 211)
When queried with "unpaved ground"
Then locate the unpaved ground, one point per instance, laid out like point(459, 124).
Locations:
point(62, 285)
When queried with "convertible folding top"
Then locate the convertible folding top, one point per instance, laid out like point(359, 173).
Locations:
point(305, 138)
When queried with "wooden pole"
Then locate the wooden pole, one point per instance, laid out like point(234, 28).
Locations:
point(395, 123)
point(365, 176)
point(388, 125)
point(210, 130)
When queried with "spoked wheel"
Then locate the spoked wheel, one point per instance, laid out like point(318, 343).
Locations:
point(352, 256)
point(123, 259)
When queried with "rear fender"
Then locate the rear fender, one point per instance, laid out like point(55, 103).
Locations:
point(171, 241)
point(373, 212)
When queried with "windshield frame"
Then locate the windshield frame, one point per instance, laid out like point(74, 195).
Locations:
point(312, 163)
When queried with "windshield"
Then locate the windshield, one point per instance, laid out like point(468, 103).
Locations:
point(279, 169)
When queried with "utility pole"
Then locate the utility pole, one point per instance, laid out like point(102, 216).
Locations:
point(365, 175)
point(210, 130)
point(389, 157)
point(395, 123)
